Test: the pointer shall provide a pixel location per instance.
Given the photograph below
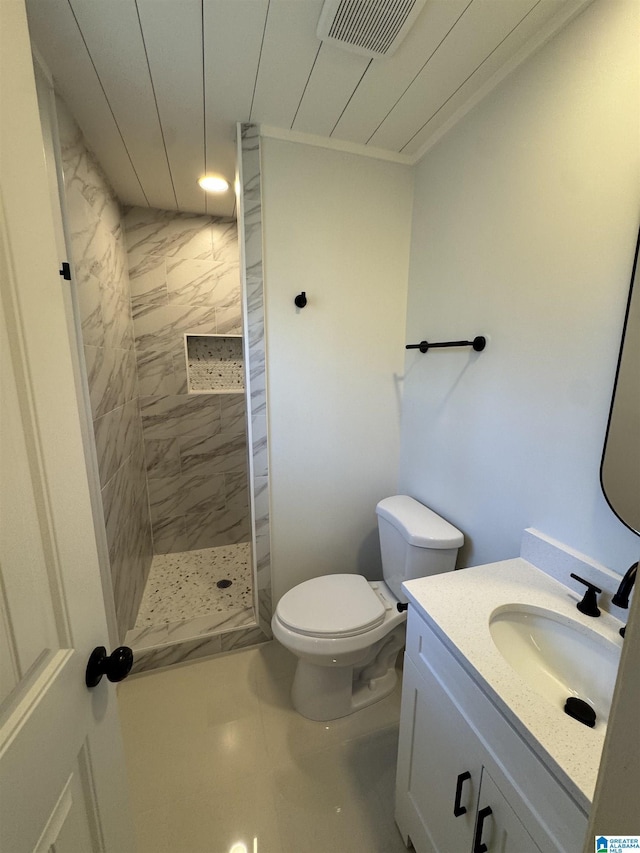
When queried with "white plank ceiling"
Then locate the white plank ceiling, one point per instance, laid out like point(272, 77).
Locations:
point(157, 86)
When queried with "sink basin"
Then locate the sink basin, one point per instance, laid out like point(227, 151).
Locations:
point(557, 656)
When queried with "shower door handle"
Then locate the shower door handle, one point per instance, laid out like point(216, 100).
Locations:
point(115, 666)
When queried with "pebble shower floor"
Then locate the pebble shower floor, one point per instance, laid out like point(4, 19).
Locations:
point(185, 585)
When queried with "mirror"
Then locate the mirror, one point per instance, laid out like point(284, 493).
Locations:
point(620, 469)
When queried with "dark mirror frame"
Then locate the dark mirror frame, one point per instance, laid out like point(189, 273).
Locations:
point(611, 499)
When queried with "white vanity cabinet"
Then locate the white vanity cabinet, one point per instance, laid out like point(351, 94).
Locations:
point(498, 826)
point(466, 781)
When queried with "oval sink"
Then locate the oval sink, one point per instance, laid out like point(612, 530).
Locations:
point(556, 655)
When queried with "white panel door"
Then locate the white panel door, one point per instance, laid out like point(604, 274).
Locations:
point(62, 785)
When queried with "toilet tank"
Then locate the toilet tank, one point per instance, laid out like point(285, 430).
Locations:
point(414, 541)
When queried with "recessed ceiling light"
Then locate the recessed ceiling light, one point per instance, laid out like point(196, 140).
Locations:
point(214, 184)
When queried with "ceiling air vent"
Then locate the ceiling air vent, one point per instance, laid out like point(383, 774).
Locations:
point(368, 27)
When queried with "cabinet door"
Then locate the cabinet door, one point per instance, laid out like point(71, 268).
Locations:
point(498, 829)
point(439, 768)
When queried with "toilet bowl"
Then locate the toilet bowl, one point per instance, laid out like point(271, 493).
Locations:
point(346, 631)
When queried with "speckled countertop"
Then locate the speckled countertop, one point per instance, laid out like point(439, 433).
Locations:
point(458, 606)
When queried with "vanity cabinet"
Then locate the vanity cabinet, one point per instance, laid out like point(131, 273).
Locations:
point(466, 781)
point(498, 826)
point(444, 787)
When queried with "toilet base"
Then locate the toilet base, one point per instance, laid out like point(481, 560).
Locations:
point(328, 692)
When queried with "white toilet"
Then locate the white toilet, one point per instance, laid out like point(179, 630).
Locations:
point(347, 631)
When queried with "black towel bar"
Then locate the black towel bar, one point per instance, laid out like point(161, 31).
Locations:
point(478, 343)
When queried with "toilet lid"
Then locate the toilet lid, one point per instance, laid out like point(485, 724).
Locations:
point(332, 605)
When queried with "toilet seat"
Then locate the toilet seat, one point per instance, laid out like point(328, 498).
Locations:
point(331, 606)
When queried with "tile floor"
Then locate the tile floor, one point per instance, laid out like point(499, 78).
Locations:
point(184, 585)
point(219, 762)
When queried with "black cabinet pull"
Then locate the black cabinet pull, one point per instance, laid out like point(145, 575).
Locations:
point(457, 808)
point(478, 845)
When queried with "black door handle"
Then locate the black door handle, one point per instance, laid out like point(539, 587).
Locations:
point(457, 808)
point(478, 845)
point(115, 666)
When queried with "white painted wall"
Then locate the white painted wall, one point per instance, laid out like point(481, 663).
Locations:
point(337, 226)
point(524, 228)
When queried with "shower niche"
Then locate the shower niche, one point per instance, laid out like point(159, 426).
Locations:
point(215, 364)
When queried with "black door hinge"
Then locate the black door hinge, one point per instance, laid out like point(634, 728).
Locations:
point(65, 271)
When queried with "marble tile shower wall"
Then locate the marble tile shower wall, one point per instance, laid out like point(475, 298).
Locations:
point(100, 267)
point(251, 215)
point(184, 276)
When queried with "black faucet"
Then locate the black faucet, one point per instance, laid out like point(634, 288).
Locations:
point(621, 598)
point(589, 604)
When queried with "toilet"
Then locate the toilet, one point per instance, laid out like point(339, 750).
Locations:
point(346, 631)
